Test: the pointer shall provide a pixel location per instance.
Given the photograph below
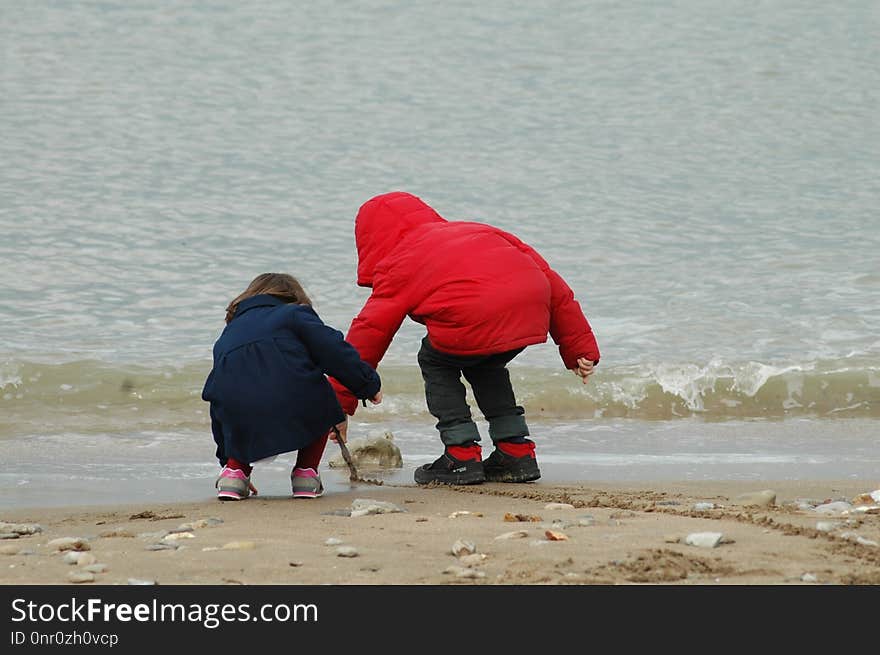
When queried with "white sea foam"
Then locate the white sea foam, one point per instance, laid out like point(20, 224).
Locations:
point(751, 377)
point(9, 376)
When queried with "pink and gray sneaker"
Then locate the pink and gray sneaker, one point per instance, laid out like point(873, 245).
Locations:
point(233, 484)
point(306, 483)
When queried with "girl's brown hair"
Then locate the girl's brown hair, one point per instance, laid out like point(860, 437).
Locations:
point(281, 285)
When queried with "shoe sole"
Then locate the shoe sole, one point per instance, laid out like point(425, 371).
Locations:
point(307, 494)
point(229, 495)
point(514, 477)
point(523, 472)
point(475, 477)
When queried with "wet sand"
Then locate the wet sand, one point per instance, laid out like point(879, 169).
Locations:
point(632, 533)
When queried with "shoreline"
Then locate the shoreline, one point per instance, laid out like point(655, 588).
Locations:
point(165, 468)
point(574, 533)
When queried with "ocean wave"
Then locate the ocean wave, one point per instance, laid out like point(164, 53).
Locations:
point(91, 396)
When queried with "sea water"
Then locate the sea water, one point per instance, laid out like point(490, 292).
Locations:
point(703, 174)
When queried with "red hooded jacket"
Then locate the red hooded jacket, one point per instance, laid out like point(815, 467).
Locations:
point(477, 289)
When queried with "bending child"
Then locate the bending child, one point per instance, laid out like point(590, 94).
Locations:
point(484, 296)
point(268, 390)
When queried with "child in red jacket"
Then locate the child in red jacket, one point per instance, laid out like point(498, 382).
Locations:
point(483, 296)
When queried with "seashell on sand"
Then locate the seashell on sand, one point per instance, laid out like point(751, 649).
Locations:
point(463, 547)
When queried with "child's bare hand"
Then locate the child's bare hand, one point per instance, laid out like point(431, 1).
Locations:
point(377, 398)
point(340, 431)
point(584, 369)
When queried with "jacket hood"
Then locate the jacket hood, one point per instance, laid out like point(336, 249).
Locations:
point(381, 223)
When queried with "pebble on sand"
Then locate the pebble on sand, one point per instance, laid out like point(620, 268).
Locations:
point(20, 528)
point(239, 545)
point(464, 512)
point(704, 539)
point(96, 568)
point(201, 523)
point(161, 547)
point(10, 549)
point(510, 517)
point(180, 529)
point(866, 509)
point(862, 499)
point(78, 558)
point(701, 507)
point(553, 535)
point(561, 524)
point(463, 547)
point(177, 536)
point(365, 506)
point(69, 543)
point(516, 534)
point(86, 559)
point(558, 506)
point(859, 539)
point(347, 551)
point(78, 577)
point(836, 507)
point(332, 541)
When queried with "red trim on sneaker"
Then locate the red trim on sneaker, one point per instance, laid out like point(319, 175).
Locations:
point(517, 449)
point(466, 453)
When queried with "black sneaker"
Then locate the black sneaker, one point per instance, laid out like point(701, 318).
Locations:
point(501, 467)
point(446, 469)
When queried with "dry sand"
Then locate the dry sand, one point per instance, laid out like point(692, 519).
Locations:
point(636, 536)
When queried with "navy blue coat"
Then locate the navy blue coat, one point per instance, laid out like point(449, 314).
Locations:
point(268, 390)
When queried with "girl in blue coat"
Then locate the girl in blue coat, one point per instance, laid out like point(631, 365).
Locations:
point(268, 388)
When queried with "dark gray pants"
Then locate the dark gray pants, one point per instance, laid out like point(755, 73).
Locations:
point(490, 381)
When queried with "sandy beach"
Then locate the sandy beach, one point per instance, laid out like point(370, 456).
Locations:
point(543, 533)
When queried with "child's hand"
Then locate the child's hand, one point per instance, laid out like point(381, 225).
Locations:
point(377, 398)
point(584, 369)
point(340, 432)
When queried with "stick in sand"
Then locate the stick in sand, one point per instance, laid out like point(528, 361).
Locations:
point(352, 471)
